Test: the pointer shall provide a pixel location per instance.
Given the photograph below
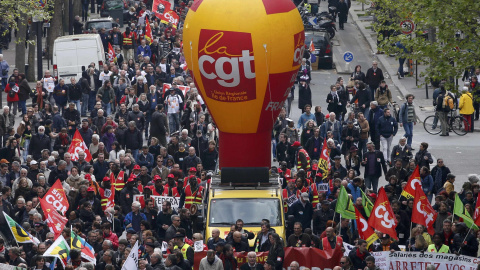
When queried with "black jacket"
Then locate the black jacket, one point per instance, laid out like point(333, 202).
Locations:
point(379, 164)
point(209, 159)
point(357, 262)
point(57, 174)
point(373, 78)
point(74, 92)
point(37, 144)
point(302, 214)
point(159, 125)
point(133, 139)
point(304, 96)
point(421, 161)
point(138, 118)
point(404, 154)
point(363, 97)
point(334, 103)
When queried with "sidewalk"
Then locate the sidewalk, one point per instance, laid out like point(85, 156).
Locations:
point(407, 85)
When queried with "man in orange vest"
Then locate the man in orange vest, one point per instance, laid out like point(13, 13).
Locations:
point(129, 44)
point(331, 241)
point(117, 178)
point(289, 195)
point(105, 192)
point(303, 159)
point(193, 194)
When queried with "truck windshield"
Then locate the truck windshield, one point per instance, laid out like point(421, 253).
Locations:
point(251, 211)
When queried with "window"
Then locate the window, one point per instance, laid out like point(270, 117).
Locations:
point(251, 211)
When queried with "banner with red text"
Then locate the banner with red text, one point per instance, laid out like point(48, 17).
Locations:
point(57, 198)
point(307, 257)
point(400, 260)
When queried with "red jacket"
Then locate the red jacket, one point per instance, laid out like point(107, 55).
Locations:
point(11, 99)
point(112, 237)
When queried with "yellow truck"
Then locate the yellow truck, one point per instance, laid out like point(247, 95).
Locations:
point(236, 194)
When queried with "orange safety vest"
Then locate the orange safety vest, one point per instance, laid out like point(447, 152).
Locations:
point(128, 40)
point(191, 198)
point(326, 243)
point(299, 163)
point(104, 195)
point(118, 183)
point(315, 199)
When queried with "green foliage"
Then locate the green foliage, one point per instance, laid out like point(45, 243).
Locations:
point(11, 10)
point(445, 36)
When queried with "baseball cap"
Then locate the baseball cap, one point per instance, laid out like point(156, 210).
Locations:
point(136, 167)
point(171, 176)
point(296, 144)
point(90, 189)
point(192, 169)
point(33, 162)
point(106, 179)
point(305, 196)
point(157, 178)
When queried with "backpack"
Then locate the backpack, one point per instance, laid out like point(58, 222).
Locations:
point(13, 91)
point(448, 103)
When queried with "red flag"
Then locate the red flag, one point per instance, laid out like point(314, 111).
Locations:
point(56, 197)
point(111, 199)
point(409, 190)
point(170, 17)
point(382, 217)
point(56, 222)
point(423, 212)
point(365, 232)
point(148, 32)
point(312, 47)
point(324, 164)
point(111, 53)
point(476, 215)
point(78, 144)
point(159, 8)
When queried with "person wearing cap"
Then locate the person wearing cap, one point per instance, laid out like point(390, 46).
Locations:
point(186, 249)
point(192, 195)
point(127, 195)
point(386, 244)
point(302, 210)
point(338, 167)
point(94, 202)
point(322, 216)
point(105, 191)
point(302, 157)
point(33, 170)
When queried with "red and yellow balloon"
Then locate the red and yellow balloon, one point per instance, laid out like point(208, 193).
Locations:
point(244, 55)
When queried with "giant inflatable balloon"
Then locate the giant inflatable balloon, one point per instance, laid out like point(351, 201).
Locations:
point(244, 55)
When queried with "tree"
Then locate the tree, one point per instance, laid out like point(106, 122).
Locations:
point(444, 36)
point(56, 28)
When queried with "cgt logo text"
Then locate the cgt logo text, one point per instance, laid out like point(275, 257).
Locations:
point(299, 43)
point(227, 65)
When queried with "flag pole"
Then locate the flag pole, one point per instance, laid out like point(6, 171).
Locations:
point(340, 223)
point(466, 236)
point(410, 235)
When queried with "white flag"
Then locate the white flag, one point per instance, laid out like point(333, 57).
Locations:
point(132, 260)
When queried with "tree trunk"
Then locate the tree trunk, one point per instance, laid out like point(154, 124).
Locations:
point(31, 53)
point(77, 8)
point(56, 27)
point(20, 43)
point(66, 16)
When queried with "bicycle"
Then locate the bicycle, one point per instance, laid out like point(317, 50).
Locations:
point(456, 123)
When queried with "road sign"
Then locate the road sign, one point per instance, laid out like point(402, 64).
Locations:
point(348, 57)
point(407, 27)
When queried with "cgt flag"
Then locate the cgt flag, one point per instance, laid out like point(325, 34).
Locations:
point(148, 32)
point(77, 145)
point(382, 217)
point(56, 222)
point(59, 249)
point(409, 190)
point(57, 198)
point(365, 232)
point(111, 56)
point(476, 214)
point(159, 8)
point(423, 212)
point(19, 233)
point(324, 161)
point(76, 242)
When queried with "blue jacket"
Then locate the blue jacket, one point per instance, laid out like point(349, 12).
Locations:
point(304, 118)
point(144, 51)
point(336, 130)
point(427, 184)
point(387, 127)
point(355, 191)
point(145, 161)
point(4, 68)
point(129, 218)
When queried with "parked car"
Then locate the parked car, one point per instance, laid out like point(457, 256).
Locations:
point(109, 5)
point(107, 23)
point(323, 47)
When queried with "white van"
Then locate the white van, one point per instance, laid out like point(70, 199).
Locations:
point(72, 53)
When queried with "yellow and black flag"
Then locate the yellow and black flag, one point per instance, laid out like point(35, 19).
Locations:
point(19, 233)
